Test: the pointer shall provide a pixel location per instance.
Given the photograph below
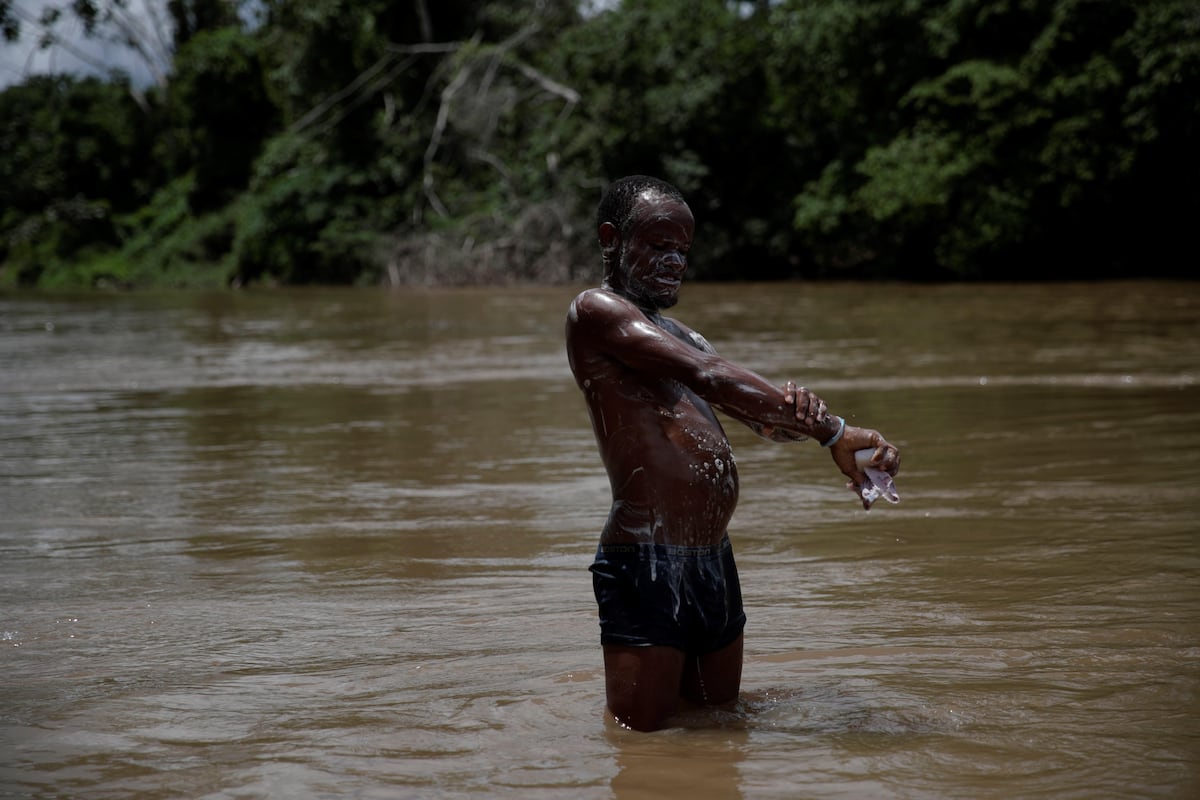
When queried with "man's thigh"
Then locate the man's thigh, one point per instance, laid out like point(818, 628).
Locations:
point(642, 684)
point(714, 678)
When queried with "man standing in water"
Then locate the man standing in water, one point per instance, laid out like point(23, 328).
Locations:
point(670, 604)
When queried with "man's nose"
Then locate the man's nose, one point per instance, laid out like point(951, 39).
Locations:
point(675, 259)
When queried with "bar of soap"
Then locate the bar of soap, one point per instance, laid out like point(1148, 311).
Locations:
point(877, 484)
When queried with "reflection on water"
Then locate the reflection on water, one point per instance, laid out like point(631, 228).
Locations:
point(335, 544)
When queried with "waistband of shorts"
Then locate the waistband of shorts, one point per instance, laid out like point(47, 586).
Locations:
point(667, 550)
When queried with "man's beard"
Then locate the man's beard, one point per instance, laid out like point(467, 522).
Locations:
point(643, 294)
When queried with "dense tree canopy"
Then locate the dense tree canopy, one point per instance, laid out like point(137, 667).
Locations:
point(325, 141)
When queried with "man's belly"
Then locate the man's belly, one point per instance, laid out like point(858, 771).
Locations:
point(674, 485)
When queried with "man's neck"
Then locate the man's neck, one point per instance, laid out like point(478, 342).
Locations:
point(650, 309)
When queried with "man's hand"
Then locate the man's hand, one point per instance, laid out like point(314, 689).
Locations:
point(886, 457)
point(810, 409)
point(813, 415)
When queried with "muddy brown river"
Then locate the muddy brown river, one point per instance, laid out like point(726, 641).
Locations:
point(334, 543)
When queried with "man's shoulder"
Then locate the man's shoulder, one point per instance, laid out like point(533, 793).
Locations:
point(599, 303)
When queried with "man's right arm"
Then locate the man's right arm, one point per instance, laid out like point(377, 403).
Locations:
point(611, 324)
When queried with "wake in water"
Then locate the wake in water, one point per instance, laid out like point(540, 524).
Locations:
point(824, 710)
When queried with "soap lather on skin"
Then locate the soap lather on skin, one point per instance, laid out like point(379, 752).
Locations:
point(877, 483)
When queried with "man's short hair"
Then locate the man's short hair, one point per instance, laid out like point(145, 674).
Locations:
point(616, 206)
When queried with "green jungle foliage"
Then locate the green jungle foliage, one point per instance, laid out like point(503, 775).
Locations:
point(464, 141)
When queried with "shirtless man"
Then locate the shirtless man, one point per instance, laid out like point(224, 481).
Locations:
point(670, 604)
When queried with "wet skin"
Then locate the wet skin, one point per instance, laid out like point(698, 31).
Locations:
point(651, 385)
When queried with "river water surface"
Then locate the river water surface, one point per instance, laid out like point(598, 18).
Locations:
point(298, 544)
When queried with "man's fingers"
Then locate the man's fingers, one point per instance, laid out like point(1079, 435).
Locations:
point(810, 409)
point(811, 406)
point(887, 458)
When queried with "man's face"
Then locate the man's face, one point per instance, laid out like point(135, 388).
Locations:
point(654, 252)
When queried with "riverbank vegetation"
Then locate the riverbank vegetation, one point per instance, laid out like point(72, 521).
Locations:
point(464, 141)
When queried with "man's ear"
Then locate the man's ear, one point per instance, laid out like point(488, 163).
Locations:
point(610, 240)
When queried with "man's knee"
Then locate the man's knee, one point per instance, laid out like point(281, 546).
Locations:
point(642, 717)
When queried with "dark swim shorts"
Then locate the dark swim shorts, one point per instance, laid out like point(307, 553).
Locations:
point(658, 594)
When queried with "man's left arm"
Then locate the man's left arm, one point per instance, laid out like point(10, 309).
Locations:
point(812, 411)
